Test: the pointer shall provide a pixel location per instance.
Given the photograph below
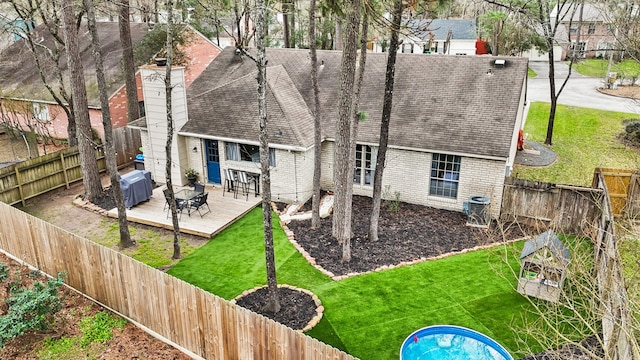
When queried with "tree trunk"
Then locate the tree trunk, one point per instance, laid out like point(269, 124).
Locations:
point(155, 11)
point(317, 124)
point(341, 229)
point(169, 143)
point(386, 119)
point(337, 39)
point(355, 122)
point(86, 146)
point(285, 21)
point(292, 26)
point(112, 166)
point(133, 110)
point(273, 303)
point(554, 98)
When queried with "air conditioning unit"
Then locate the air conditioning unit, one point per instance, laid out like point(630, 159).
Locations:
point(478, 210)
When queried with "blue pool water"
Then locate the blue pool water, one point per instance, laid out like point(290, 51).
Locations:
point(447, 342)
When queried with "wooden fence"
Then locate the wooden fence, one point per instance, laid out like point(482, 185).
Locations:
point(624, 190)
point(200, 322)
point(619, 340)
point(31, 178)
point(127, 142)
point(568, 209)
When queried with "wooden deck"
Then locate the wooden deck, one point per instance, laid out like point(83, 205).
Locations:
point(224, 211)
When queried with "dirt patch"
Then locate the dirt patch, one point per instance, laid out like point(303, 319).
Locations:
point(130, 343)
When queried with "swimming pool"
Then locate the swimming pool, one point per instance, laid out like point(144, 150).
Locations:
point(448, 342)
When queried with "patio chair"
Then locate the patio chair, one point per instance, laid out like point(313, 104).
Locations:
point(229, 181)
point(198, 203)
point(180, 204)
point(244, 183)
point(199, 188)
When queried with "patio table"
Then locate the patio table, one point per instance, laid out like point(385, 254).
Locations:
point(187, 195)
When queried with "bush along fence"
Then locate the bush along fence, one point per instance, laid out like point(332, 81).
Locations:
point(202, 323)
point(588, 212)
point(34, 177)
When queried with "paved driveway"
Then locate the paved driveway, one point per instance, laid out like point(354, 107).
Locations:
point(580, 90)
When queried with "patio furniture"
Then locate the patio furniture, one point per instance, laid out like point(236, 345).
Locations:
point(186, 196)
point(199, 202)
point(180, 204)
point(229, 181)
point(199, 188)
point(244, 181)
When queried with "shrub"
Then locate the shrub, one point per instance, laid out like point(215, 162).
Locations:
point(97, 328)
point(4, 271)
point(30, 308)
point(632, 130)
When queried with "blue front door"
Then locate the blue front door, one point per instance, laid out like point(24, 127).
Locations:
point(213, 161)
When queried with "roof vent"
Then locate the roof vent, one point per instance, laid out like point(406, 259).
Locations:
point(500, 62)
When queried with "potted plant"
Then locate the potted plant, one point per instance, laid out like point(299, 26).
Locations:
point(191, 175)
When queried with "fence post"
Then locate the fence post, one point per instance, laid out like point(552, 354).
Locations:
point(19, 181)
point(64, 170)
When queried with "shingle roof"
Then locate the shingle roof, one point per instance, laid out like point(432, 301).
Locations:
point(19, 76)
point(443, 103)
point(550, 240)
point(461, 29)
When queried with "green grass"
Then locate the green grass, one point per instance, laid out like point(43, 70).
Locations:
point(598, 68)
point(96, 330)
point(583, 139)
point(369, 315)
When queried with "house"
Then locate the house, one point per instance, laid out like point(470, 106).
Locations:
point(454, 127)
point(437, 36)
point(586, 28)
point(25, 99)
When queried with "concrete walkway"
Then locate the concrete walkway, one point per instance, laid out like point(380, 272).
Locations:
point(580, 91)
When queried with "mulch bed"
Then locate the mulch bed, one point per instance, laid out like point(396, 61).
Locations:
point(410, 233)
point(571, 351)
point(296, 308)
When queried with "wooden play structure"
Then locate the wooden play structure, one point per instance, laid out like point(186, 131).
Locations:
point(543, 265)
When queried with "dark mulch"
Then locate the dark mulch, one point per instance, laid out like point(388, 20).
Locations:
point(571, 351)
point(410, 233)
point(296, 307)
point(106, 201)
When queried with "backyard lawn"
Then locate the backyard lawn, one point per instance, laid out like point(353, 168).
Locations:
point(369, 315)
point(583, 139)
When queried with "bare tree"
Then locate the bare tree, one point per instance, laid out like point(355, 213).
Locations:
point(133, 110)
point(273, 303)
point(168, 88)
point(386, 119)
point(110, 154)
point(317, 116)
point(341, 227)
point(86, 146)
point(44, 56)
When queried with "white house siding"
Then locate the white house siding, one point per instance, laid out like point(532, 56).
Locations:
point(291, 178)
point(155, 105)
point(195, 160)
point(407, 172)
point(520, 119)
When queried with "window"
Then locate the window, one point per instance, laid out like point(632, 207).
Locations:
point(573, 29)
point(141, 108)
point(578, 49)
point(592, 29)
point(41, 111)
point(407, 48)
point(246, 152)
point(365, 166)
point(445, 175)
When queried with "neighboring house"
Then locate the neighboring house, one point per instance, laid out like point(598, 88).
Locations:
point(454, 124)
point(585, 28)
point(437, 36)
point(25, 99)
